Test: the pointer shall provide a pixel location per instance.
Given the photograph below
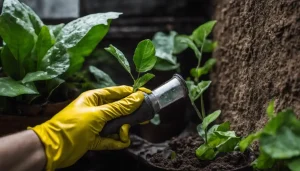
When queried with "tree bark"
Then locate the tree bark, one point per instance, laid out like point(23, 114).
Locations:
point(258, 59)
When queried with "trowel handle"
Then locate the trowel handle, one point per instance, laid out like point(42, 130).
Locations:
point(144, 113)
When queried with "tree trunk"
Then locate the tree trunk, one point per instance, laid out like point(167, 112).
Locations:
point(258, 59)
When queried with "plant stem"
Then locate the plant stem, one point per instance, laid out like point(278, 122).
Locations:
point(201, 51)
point(197, 111)
point(132, 77)
point(202, 106)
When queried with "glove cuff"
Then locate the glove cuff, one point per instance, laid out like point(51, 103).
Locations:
point(48, 147)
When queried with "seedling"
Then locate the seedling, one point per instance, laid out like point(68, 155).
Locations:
point(278, 140)
point(144, 59)
point(37, 58)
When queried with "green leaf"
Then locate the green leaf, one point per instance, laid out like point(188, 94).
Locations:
point(17, 35)
point(195, 91)
point(244, 144)
point(203, 70)
point(229, 144)
point(142, 81)
point(120, 57)
point(222, 128)
point(102, 78)
point(10, 65)
point(210, 118)
point(12, 88)
point(163, 65)
point(81, 36)
point(25, 15)
point(43, 44)
point(270, 109)
point(209, 46)
point(179, 46)
point(155, 120)
point(204, 152)
point(54, 63)
point(55, 29)
point(144, 56)
point(164, 46)
point(201, 131)
point(263, 161)
point(294, 164)
point(190, 43)
point(200, 34)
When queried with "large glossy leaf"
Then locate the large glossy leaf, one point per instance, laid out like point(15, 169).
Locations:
point(164, 46)
point(120, 57)
point(244, 144)
point(101, 77)
point(54, 63)
point(204, 152)
point(187, 40)
point(144, 56)
point(82, 35)
point(142, 81)
point(200, 34)
point(195, 91)
point(17, 35)
point(205, 69)
point(43, 44)
point(210, 118)
point(55, 29)
point(10, 65)
point(25, 15)
point(12, 88)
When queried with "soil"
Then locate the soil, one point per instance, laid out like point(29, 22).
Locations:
point(258, 59)
point(186, 160)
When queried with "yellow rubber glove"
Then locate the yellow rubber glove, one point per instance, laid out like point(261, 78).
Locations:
point(75, 130)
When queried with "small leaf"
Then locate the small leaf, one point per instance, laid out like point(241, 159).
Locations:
point(163, 65)
point(204, 152)
point(102, 78)
point(173, 155)
point(201, 131)
point(179, 46)
point(43, 44)
point(155, 120)
point(228, 145)
point(209, 46)
point(12, 88)
point(120, 57)
point(191, 44)
point(140, 82)
point(164, 46)
point(205, 69)
point(144, 56)
point(210, 118)
point(263, 161)
point(270, 109)
point(55, 29)
point(200, 34)
point(196, 91)
point(221, 128)
point(248, 140)
point(294, 164)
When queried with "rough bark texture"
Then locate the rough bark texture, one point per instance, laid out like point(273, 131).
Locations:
point(258, 59)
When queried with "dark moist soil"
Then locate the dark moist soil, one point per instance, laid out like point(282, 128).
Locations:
point(186, 160)
point(258, 58)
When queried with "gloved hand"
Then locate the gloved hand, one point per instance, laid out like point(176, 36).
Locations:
point(75, 130)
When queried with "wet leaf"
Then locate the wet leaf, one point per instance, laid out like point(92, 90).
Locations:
point(179, 46)
point(102, 78)
point(10, 65)
point(195, 91)
point(120, 57)
point(190, 43)
point(210, 118)
point(200, 34)
point(12, 88)
point(144, 56)
point(140, 82)
point(55, 29)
